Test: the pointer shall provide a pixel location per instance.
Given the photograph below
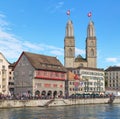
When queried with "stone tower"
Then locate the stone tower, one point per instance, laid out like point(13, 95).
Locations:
point(69, 45)
point(91, 48)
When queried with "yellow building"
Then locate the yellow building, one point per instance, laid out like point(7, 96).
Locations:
point(4, 75)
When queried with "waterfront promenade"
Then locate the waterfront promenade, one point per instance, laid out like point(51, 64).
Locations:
point(55, 102)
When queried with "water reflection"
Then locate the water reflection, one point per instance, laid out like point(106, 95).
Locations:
point(63, 112)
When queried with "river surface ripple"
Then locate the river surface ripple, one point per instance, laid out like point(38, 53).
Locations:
point(99, 111)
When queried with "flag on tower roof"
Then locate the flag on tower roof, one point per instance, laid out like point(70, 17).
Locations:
point(89, 14)
point(68, 12)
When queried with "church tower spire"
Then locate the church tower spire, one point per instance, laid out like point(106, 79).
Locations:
point(91, 48)
point(69, 29)
point(91, 30)
point(69, 45)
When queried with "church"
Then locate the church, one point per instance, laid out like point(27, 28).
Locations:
point(70, 61)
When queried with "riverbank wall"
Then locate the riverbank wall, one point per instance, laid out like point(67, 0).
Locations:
point(54, 102)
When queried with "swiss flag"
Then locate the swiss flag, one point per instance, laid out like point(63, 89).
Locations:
point(76, 77)
point(89, 14)
point(68, 12)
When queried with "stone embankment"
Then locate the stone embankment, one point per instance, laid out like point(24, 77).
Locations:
point(54, 102)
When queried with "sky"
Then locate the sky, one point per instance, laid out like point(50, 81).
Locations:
point(38, 26)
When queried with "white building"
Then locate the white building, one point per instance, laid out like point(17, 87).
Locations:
point(91, 79)
point(11, 78)
point(4, 75)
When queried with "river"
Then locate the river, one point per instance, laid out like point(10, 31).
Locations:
point(99, 111)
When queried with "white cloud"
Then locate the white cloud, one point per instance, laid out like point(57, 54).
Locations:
point(53, 7)
point(59, 5)
point(118, 64)
point(79, 51)
point(12, 46)
point(32, 46)
point(3, 23)
point(112, 60)
point(57, 53)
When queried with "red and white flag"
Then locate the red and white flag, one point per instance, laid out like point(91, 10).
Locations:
point(89, 14)
point(76, 77)
point(68, 12)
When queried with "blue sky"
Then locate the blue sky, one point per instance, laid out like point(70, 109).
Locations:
point(38, 26)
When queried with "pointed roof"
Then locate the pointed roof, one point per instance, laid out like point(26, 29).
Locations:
point(91, 29)
point(69, 22)
point(69, 29)
point(79, 58)
point(44, 62)
point(4, 58)
point(113, 68)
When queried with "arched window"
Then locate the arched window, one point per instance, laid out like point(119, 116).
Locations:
point(49, 93)
point(92, 53)
point(70, 52)
point(37, 92)
point(43, 92)
point(54, 94)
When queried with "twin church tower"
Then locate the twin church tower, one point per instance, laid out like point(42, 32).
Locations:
point(70, 61)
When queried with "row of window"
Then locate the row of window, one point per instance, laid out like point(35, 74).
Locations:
point(92, 73)
point(112, 77)
point(112, 73)
point(50, 66)
point(86, 89)
point(113, 81)
point(4, 71)
point(87, 83)
point(51, 74)
point(48, 85)
point(88, 73)
point(113, 85)
point(92, 78)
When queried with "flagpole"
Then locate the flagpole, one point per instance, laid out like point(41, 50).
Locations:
point(68, 17)
point(68, 14)
point(90, 15)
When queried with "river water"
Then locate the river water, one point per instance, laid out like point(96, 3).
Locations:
point(99, 111)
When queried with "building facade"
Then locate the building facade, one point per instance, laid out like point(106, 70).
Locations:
point(112, 77)
point(91, 80)
point(72, 84)
point(41, 75)
point(11, 78)
point(4, 75)
point(70, 61)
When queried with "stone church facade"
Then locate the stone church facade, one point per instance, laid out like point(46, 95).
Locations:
point(70, 61)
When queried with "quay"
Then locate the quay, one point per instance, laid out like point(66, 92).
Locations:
point(55, 102)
